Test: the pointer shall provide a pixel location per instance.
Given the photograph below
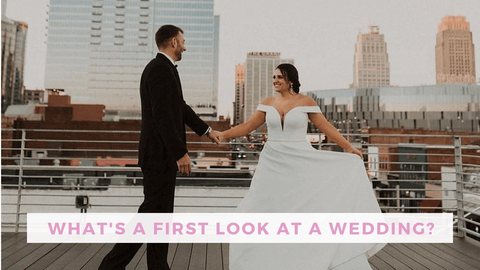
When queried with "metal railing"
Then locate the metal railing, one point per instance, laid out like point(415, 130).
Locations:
point(46, 170)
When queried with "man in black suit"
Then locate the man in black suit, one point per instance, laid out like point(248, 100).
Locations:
point(162, 150)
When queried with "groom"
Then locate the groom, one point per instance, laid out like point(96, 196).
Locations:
point(162, 147)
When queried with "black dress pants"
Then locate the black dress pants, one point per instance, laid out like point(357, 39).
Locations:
point(159, 192)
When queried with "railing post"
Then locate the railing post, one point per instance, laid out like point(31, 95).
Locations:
point(459, 189)
point(20, 179)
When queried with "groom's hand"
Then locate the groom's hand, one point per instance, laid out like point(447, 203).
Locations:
point(184, 165)
point(214, 136)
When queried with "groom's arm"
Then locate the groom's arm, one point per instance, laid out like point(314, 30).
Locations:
point(193, 121)
point(199, 126)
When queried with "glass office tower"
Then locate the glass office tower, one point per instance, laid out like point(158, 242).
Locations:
point(97, 49)
point(14, 36)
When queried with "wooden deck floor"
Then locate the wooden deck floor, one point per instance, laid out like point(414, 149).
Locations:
point(18, 254)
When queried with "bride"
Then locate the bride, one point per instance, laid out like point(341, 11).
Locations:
point(293, 177)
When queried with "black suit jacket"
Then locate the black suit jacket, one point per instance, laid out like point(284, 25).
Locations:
point(164, 115)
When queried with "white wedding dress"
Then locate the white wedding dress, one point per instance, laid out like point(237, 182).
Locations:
point(293, 177)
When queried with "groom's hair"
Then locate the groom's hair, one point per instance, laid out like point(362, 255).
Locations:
point(165, 33)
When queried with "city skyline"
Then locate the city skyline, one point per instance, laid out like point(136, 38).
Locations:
point(319, 35)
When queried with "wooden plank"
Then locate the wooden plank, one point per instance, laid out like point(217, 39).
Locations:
point(226, 255)
point(432, 257)
point(199, 257)
point(379, 263)
point(182, 257)
point(32, 257)
point(391, 260)
point(136, 259)
point(172, 249)
point(84, 257)
point(19, 255)
point(95, 261)
point(447, 248)
point(142, 264)
point(62, 261)
point(50, 257)
point(405, 249)
point(464, 247)
point(407, 260)
point(446, 256)
point(7, 235)
point(214, 256)
point(13, 240)
point(14, 248)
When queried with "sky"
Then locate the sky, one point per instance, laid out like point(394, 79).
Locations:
point(319, 35)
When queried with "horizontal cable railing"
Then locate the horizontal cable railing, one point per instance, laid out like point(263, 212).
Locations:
point(45, 170)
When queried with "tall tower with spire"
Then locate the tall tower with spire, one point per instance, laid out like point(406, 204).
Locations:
point(370, 64)
point(454, 52)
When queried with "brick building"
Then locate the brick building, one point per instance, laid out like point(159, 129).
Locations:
point(438, 147)
point(60, 109)
point(72, 132)
point(71, 140)
point(406, 165)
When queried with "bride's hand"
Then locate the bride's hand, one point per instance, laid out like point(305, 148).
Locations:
point(355, 151)
point(220, 136)
point(215, 137)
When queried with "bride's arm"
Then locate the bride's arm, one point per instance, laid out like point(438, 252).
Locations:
point(319, 120)
point(257, 119)
point(332, 133)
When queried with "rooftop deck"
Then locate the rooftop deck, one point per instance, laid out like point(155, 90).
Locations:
point(18, 254)
point(31, 187)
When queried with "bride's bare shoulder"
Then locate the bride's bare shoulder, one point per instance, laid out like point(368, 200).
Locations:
point(306, 101)
point(269, 101)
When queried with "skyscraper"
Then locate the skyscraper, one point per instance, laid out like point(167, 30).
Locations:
point(454, 52)
point(96, 50)
point(14, 35)
point(259, 69)
point(239, 104)
point(370, 64)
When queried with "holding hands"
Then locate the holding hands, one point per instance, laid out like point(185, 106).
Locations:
point(215, 136)
point(185, 165)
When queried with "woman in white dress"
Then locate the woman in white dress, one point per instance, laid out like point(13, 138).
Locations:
point(293, 177)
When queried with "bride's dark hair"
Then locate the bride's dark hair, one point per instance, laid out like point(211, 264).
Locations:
point(290, 73)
